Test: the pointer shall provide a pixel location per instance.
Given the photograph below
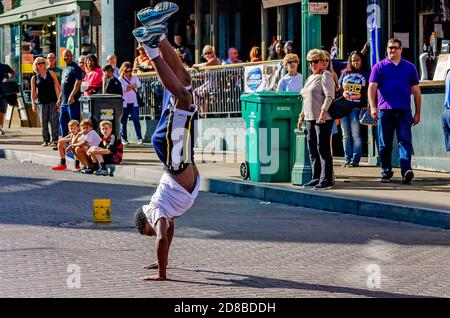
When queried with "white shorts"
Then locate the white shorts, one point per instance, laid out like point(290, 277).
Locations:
point(170, 200)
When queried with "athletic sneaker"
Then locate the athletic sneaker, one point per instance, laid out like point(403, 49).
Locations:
point(386, 177)
point(409, 175)
point(150, 36)
point(323, 186)
point(140, 142)
point(87, 171)
point(311, 183)
point(1, 131)
point(158, 14)
point(59, 167)
point(101, 172)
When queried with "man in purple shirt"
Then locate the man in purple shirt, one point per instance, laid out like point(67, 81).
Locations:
point(392, 82)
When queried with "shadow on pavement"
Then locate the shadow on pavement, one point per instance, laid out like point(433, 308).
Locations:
point(244, 280)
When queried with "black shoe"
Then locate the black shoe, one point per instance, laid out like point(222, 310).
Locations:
point(353, 165)
point(409, 175)
point(323, 186)
point(311, 183)
point(386, 177)
point(87, 171)
point(346, 165)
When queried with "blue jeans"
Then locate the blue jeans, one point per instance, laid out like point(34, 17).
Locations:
point(134, 112)
point(351, 136)
point(446, 126)
point(399, 121)
point(66, 114)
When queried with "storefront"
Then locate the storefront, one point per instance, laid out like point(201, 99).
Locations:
point(37, 28)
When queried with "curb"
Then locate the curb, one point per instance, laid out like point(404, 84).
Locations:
point(248, 189)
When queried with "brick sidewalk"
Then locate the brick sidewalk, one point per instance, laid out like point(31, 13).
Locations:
point(429, 191)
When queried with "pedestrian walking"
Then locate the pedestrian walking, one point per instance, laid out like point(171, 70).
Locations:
point(391, 83)
point(354, 83)
point(130, 85)
point(446, 113)
point(6, 75)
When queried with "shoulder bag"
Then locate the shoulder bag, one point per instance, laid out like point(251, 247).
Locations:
point(138, 97)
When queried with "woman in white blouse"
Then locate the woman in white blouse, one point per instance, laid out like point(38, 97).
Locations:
point(130, 85)
point(318, 94)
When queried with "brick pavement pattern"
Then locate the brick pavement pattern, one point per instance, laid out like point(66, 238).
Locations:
point(223, 247)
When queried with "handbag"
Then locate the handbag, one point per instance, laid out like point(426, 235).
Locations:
point(365, 118)
point(138, 97)
point(340, 107)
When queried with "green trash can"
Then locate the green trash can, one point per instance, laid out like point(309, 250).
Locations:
point(271, 118)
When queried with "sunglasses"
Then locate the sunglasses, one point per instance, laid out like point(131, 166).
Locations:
point(314, 61)
point(128, 71)
point(41, 63)
point(292, 62)
point(207, 53)
point(392, 48)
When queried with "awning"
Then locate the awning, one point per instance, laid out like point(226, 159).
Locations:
point(34, 9)
point(276, 3)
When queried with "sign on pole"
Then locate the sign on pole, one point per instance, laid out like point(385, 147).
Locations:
point(318, 8)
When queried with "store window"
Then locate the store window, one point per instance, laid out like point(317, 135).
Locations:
point(38, 39)
point(68, 37)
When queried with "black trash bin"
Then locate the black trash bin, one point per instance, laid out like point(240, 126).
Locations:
point(99, 107)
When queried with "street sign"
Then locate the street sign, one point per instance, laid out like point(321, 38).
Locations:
point(318, 8)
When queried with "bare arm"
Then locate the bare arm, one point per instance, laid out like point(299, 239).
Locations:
point(417, 102)
point(161, 249)
point(372, 93)
point(33, 93)
point(75, 90)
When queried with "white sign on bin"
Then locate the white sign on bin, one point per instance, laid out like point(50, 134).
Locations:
point(318, 8)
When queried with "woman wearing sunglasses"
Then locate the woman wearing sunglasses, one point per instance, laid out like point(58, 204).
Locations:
point(45, 90)
point(130, 85)
point(293, 80)
point(201, 92)
point(318, 94)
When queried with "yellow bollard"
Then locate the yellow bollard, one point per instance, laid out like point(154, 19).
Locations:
point(102, 210)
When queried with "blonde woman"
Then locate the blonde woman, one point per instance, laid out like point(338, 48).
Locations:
point(45, 90)
point(255, 56)
point(318, 94)
point(293, 80)
point(201, 92)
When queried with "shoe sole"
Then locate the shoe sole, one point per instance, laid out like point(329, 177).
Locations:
point(408, 178)
point(326, 188)
point(148, 16)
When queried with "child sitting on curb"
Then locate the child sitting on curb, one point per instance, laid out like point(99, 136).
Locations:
point(74, 128)
point(109, 152)
point(88, 138)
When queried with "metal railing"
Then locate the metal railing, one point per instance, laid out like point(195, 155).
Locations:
point(216, 90)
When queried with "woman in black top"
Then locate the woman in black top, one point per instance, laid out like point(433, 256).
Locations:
point(45, 89)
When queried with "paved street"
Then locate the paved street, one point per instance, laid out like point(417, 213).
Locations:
point(223, 247)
